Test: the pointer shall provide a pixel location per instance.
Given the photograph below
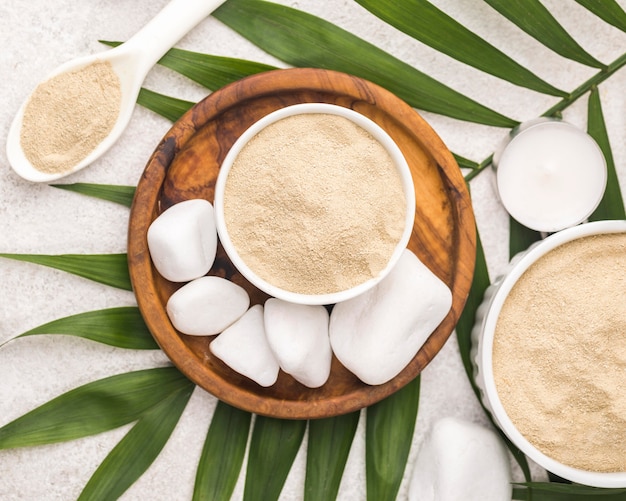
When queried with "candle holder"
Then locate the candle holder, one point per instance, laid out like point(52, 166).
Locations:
point(550, 175)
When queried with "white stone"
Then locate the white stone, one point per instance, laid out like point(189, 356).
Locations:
point(207, 305)
point(461, 461)
point(376, 334)
point(298, 337)
point(244, 348)
point(183, 240)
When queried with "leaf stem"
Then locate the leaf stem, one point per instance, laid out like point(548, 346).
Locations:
point(564, 103)
point(481, 167)
point(594, 81)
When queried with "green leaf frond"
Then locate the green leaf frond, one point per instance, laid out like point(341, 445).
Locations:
point(212, 72)
point(222, 454)
point(166, 106)
point(551, 491)
point(612, 205)
point(465, 163)
point(388, 424)
point(122, 195)
point(121, 327)
point(328, 447)
point(423, 21)
point(532, 17)
point(132, 456)
point(108, 269)
point(520, 237)
point(607, 10)
point(303, 40)
point(464, 329)
point(93, 408)
point(273, 448)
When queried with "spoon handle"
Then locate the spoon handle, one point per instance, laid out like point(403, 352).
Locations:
point(161, 33)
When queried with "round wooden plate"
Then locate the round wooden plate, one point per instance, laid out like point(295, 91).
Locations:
point(185, 165)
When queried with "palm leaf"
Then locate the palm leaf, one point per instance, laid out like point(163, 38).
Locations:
point(168, 107)
point(273, 448)
point(301, 39)
point(122, 195)
point(212, 72)
point(132, 456)
point(307, 41)
point(222, 454)
point(607, 10)
point(520, 237)
point(467, 319)
point(327, 452)
point(108, 269)
point(551, 491)
point(122, 327)
point(93, 408)
point(556, 109)
point(389, 423)
point(586, 86)
point(532, 17)
point(433, 27)
point(464, 328)
point(479, 168)
point(464, 163)
point(612, 205)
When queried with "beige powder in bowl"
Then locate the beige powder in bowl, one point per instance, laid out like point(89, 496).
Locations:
point(314, 204)
point(559, 353)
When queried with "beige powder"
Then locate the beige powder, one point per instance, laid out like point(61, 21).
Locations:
point(559, 355)
point(314, 204)
point(69, 115)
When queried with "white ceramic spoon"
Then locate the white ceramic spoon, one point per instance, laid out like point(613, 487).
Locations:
point(131, 61)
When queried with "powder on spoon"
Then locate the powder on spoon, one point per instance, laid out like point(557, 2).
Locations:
point(68, 115)
point(559, 353)
point(314, 204)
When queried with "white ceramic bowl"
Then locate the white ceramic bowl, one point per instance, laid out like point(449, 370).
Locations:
point(379, 134)
point(482, 350)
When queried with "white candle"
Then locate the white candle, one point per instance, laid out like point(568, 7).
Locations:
point(550, 175)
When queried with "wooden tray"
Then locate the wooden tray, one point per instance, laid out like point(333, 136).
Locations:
point(185, 165)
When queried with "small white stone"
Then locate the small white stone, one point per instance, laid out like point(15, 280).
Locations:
point(461, 461)
point(207, 305)
point(298, 337)
point(244, 348)
point(183, 240)
point(376, 334)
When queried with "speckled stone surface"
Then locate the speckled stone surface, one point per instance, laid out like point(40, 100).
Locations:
point(35, 37)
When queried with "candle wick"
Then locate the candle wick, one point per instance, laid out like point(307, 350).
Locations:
point(547, 170)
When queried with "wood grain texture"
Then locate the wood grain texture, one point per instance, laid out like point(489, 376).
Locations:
point(185, 165)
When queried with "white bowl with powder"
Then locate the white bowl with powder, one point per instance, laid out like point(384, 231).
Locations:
point(549, 353)
point(314, 203)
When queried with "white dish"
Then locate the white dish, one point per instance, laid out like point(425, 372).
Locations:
point(482, 351)
point(379, 134)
